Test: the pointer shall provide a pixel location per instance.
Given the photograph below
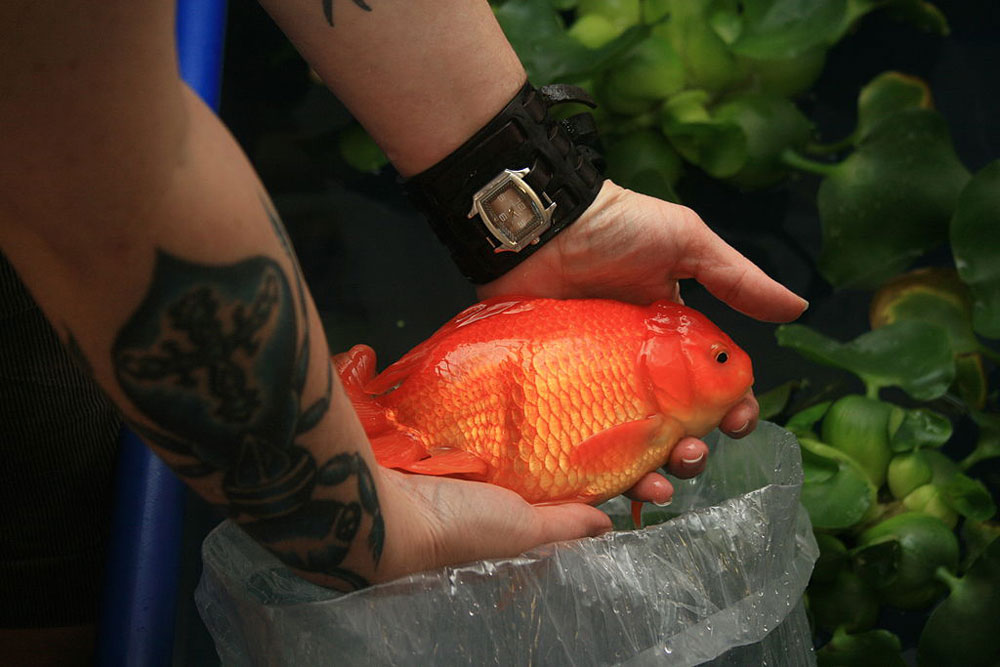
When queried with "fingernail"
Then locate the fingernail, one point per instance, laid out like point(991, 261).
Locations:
point(664, 504)
point(743, 428)
point(697, 459)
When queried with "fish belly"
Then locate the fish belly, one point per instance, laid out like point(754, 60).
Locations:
point(524, 407)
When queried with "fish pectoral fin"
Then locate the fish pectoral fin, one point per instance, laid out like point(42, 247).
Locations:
point(397, 449)
point(450, 462)
point(618, 446)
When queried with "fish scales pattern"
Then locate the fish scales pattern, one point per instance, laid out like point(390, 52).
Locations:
point(508, 402)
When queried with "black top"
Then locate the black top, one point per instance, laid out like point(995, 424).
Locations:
point(59, 437)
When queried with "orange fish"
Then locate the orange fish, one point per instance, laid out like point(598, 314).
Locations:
point(558, 400)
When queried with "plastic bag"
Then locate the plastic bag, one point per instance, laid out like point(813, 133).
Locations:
point(721, 582)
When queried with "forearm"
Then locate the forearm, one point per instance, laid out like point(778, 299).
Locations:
point(421, 76)
point(192, 315)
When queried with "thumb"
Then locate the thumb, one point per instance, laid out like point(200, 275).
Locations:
point(569, 522)
point(733, 278)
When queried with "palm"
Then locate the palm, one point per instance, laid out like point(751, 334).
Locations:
point(461, 521)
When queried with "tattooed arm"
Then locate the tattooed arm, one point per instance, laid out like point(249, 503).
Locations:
point(142, 231)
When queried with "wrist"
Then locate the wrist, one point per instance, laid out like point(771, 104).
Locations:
point(514, 185)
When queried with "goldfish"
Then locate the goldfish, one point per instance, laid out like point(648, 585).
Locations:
point(558, 400)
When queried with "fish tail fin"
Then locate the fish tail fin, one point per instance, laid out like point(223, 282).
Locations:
point(393, 445)
point(356, 367)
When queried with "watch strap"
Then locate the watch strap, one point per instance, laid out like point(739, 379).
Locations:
point(521, 136)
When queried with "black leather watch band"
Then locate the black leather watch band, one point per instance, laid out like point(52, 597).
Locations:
point(521, 136)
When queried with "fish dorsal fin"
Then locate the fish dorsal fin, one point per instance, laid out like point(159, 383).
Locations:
point(489, 308)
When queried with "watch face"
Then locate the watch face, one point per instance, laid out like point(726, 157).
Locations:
point(512, 212)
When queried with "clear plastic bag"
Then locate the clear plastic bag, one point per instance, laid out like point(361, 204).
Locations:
point(721, 582)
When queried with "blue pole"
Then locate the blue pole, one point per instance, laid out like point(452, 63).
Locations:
point(139, 600)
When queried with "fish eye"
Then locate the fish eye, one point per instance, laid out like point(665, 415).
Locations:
point(721, 356)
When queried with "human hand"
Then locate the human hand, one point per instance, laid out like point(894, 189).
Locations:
point(451, 521)
point(631, 247)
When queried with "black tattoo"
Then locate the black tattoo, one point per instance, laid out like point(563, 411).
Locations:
point(328, 9)
point(214, 361)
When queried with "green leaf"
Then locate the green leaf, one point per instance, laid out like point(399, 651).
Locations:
point(644, 161)
point(859, 427)
point(771, 125)
point(975, 242)
point(548, 52)
point(963, 630)
point(921, 428)
point(977, 536)
point(890, 201)
point(875, 648)
point(969, 497)
point(929, 499)
point(801, 423)
point(930, 295)
point(652, 70)
point(988, 444)
point(623, 13)
point(887, 94)
point(787, 28)
point(877, 561)
point(914, 356)
point(787, 77)
point(835, 491)
point(942, 467)
point(918, 13)
point(970, 380)
point(833, 559)
point(772, 402)
point(847, 602)
point(907, 472)
point(360, 151)
point(708, 62)
point(726, 19)
point(593, 31)
point(718, 148)
point(925, 544)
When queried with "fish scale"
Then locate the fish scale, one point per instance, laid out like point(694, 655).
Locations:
point(556, 400)
point(548, 363)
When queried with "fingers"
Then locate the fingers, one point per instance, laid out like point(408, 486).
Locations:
point(741, 418)
point(652, 488)
point(688, 458)
point(740, 283)
point(569, 522)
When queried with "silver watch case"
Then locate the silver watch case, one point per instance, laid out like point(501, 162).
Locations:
point(511, 210)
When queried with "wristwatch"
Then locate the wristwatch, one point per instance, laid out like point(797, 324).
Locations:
point(512, 212)
point(514, 185)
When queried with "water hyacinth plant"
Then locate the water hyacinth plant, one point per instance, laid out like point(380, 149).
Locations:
point(712, 86)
